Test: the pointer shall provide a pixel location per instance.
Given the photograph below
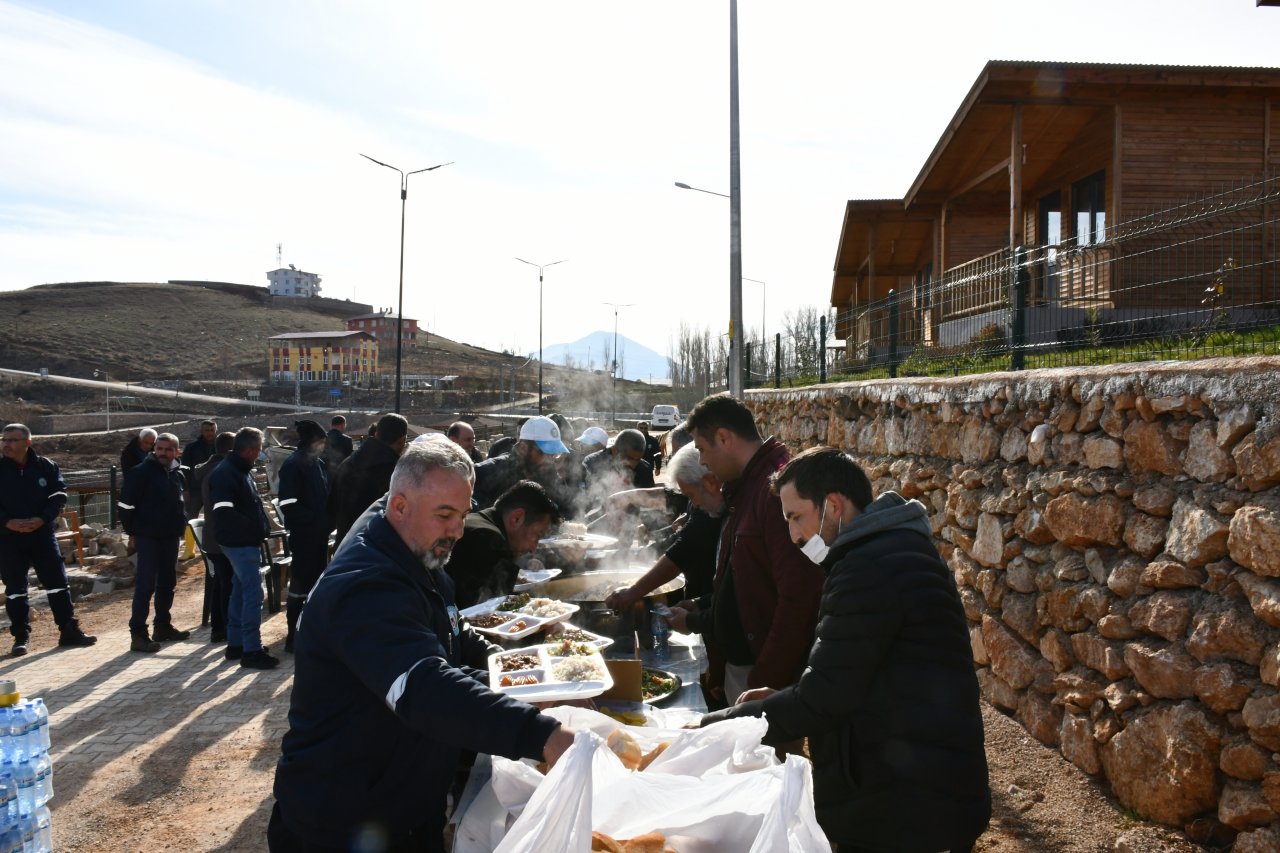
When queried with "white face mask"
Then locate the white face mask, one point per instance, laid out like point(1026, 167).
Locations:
point(815, 548)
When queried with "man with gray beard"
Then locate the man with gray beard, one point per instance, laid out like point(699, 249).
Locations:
point(389, 685)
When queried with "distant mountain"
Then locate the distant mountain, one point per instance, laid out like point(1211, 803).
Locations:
point(635, 361)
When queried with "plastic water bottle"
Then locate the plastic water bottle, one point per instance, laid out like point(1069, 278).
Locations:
point(42, 719)
point(8, 800)
point(25, 774)
point(44, 779)
point(27, 826)
point(10, 837)
point(661, 633)
point(31, 722)
point(44, 829)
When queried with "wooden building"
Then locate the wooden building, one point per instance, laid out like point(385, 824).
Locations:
point(1054, 156)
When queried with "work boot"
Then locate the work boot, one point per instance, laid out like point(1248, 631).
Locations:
point(168, 632)
point(143, 643)
point(19, 647)
point(71, 635)
point(259, 660)
point(235, 652)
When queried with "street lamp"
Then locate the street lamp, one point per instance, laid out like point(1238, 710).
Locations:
point(107, 381)
point(540, 267)
point(616, 308)
point(404, 194)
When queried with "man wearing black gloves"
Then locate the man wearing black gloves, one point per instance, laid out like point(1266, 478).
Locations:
point(387, 682)
point(889, 700)
point(304, 491)
point(32, 495)
point(152, 513)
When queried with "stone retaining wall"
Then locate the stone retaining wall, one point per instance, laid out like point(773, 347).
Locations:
point(1115, 536)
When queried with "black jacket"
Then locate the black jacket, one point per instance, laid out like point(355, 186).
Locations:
point(360, 481)
point(337, 447)
point(482, 565)
point(384, 697)
point(602, 465)
point(197, 452)
point(151, 501)
point(132, 455)
point(233, 509)
point(493, 477)
point(889, 700)
point(35, 490)
point(200, 483)
point(304, 493)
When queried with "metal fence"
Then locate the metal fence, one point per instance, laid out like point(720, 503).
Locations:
point(1192, 280)
point(90, 494)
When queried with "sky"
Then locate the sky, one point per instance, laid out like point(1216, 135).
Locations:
point(147, 140)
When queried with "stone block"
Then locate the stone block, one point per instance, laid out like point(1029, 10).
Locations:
point(1227, 629)
point(1257, 458)
point(1263, 595)
point(1081, 522)
point(1205, 460)
point(1165, 614)
point(1148, 446)
point(1234, 424)
point(1156, 499)
point(1254, 538)
point(1164, 764)
point(1016, 664)
point(1166, 672)
point(1223, 687)
point(1243, 806)
point(1103, 451)
point(1145, 534)
point(1196, 536)
point(1262, 716)
point(1078, 744)
point(1241, 758)
point(1055, 647)
point(1101, 655)
point(988, 545)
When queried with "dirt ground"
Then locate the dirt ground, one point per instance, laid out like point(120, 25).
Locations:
point(193, 770)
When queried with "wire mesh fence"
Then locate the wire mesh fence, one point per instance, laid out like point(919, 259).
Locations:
point(90, 494)
point(1192, 280)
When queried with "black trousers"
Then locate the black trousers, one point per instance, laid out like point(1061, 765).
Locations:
point(18, 553)
point(222, 575)
point(157, 576)
point(428, 838)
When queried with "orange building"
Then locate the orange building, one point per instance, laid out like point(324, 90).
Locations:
point(322, 357)
point(382, 325)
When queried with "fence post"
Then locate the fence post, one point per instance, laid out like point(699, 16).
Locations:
point(777, 359)
point(1020, 284)
point(746, 370)
point(112, 502)
point(893, 334)
point(822, 348)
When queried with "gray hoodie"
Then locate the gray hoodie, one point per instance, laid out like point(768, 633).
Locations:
point(890, 511)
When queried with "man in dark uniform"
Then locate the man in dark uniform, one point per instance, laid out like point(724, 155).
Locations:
point(364, 477)
point(337, 444)
point(483, 562)
point(304, 491)
point(388, 685)
point(32, 495)
point(137, 449)
point(152, 513)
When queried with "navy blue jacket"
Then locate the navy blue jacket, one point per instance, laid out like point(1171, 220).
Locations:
point(151, 502)
point(33, 491)
point(384, 697)
point(304, 493)
point(234, 509)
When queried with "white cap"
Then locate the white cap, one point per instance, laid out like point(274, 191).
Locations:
point(594, 435)
point(543, 432)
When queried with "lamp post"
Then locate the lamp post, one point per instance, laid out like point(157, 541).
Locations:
point(107, 381)
point(540, 267)
point(616, 308)
point(404, 194)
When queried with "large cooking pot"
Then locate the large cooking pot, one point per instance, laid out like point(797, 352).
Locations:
point(589, 590)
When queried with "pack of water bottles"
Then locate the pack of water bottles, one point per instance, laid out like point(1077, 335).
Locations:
point(26, 778)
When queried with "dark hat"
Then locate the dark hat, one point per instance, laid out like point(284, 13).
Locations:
point(308, 431)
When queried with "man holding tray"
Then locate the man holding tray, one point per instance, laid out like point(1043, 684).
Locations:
point(388, 686)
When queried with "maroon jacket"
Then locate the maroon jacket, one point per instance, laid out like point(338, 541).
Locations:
point(777, 587)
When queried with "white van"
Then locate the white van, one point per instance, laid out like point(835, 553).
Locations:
point(664, 416)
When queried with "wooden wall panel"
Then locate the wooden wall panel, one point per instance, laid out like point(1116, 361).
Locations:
point(972, 235)
point(1177, 149)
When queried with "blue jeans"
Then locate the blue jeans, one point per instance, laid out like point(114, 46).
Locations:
point(244, 611)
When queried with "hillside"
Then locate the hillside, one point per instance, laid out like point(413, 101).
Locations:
point(141, 331)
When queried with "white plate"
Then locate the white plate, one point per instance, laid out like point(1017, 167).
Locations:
point(532, 624)
point(534, 578)
point(567, 608)
point(596, 640)
point(551, 689)
point(591, 540)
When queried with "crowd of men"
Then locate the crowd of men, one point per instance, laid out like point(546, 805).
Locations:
point(824, 609)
